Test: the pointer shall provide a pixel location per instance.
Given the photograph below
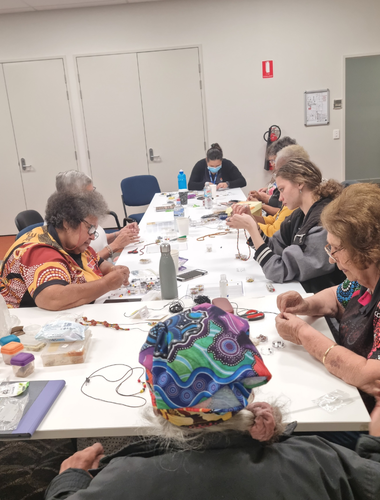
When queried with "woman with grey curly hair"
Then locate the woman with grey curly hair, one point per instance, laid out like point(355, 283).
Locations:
point(54, 266)
point(296, 251)
point(106, 244)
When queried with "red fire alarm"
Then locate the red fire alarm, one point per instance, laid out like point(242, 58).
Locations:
point(267, 69)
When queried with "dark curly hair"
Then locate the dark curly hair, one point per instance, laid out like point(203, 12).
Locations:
point(74, 207)
point(276, 146)
point(354, 218)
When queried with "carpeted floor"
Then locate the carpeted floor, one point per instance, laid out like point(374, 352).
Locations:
point(27, 467)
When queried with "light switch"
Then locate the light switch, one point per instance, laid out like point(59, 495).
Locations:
point(336, 133)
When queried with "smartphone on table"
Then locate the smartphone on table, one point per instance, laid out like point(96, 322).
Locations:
point(189, 275)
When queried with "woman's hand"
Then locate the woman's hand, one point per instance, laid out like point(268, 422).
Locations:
point(129, 234)
point(254, 196)
point(243, 221)
point(222, 185)
point(240, 209)
point(85, 459)
point(117, 276)
point(289, 327)
point(292, 302)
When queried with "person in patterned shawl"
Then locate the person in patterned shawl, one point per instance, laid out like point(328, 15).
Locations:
point(210, 439)
point(353, 224)
point(54, 266)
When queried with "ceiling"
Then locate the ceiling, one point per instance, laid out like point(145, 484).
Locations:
point(14, 6)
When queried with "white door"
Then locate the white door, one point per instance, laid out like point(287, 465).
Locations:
point(39, 106)
point(12, 200)
point(113, 118)
point(173, 112)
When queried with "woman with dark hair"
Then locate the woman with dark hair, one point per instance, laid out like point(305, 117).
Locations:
point(352, 222)
point(54, 266)
point(296, 251)
point(217, 170)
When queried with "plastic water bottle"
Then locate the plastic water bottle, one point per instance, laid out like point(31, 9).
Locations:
point(168, 276)
point(208, 195)
point(182, 183)
point(179, 210)
point(223, 284)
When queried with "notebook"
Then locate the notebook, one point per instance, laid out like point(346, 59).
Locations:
point(42, 394)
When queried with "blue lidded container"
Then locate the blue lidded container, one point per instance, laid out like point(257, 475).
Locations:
point(9, 338)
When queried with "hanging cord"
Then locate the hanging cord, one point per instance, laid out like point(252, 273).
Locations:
point(122, 380)
point(239, 255)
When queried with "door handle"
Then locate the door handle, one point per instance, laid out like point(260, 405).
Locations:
point(152, 157)
point(24, 166)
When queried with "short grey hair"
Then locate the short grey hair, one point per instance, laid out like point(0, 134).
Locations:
point(290, 152)
point(72, 180)
point(73, 207)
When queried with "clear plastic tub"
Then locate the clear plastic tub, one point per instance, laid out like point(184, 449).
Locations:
point(31, 344)
point(23, 364)
point(10, 350)
point(66, 353)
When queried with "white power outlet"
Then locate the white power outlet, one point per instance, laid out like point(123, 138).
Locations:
point(336, 133)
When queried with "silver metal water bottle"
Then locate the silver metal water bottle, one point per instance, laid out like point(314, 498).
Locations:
point(168, 275)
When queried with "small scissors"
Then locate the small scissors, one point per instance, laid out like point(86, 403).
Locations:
point(253, 315)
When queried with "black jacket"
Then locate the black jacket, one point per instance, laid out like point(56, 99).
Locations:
point(232, 466)
point(228, 173)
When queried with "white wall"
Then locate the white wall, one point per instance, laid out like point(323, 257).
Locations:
point(307, 41)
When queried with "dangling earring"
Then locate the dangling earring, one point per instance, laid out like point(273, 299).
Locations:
point(300, 191)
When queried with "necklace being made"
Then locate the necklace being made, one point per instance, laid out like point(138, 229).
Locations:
point(93, 322)
point(122, 380)
point(239, 255)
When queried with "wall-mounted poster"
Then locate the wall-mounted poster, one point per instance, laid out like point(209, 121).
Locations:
point(317, 107)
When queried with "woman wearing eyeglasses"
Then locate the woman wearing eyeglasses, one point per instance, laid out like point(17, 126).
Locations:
point(106, 244)
point(353, 225)
point(216, 170)
point(54, 266)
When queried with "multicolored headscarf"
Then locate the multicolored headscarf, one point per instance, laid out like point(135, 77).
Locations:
point(201, 366)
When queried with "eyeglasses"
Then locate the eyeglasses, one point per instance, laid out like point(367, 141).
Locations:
point(91, 229)
point(330, 253)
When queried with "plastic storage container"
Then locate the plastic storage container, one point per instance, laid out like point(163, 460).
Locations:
point(31, 344)
point(23, 364)
point(10, 350)
point(66, 353)
point(9, 338)
point(182, 183)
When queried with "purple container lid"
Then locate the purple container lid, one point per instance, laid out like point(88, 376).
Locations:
point(22, 359)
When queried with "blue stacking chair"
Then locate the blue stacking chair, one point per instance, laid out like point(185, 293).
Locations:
point(137, 191)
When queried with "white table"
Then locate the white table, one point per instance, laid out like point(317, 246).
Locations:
point(220, 260)
point(297, 378)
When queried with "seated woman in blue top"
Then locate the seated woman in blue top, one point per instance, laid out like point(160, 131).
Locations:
point(216, 169)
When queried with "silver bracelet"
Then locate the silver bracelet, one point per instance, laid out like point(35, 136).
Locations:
point(110, 251)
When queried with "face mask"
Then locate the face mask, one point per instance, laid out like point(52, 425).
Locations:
point(214, 170)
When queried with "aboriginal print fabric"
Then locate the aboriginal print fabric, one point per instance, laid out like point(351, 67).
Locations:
point(201, 366)
point(36, 260)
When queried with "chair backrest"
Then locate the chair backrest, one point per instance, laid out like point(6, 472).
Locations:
point(27, 218)
point(29, 228)
point(139, 190)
